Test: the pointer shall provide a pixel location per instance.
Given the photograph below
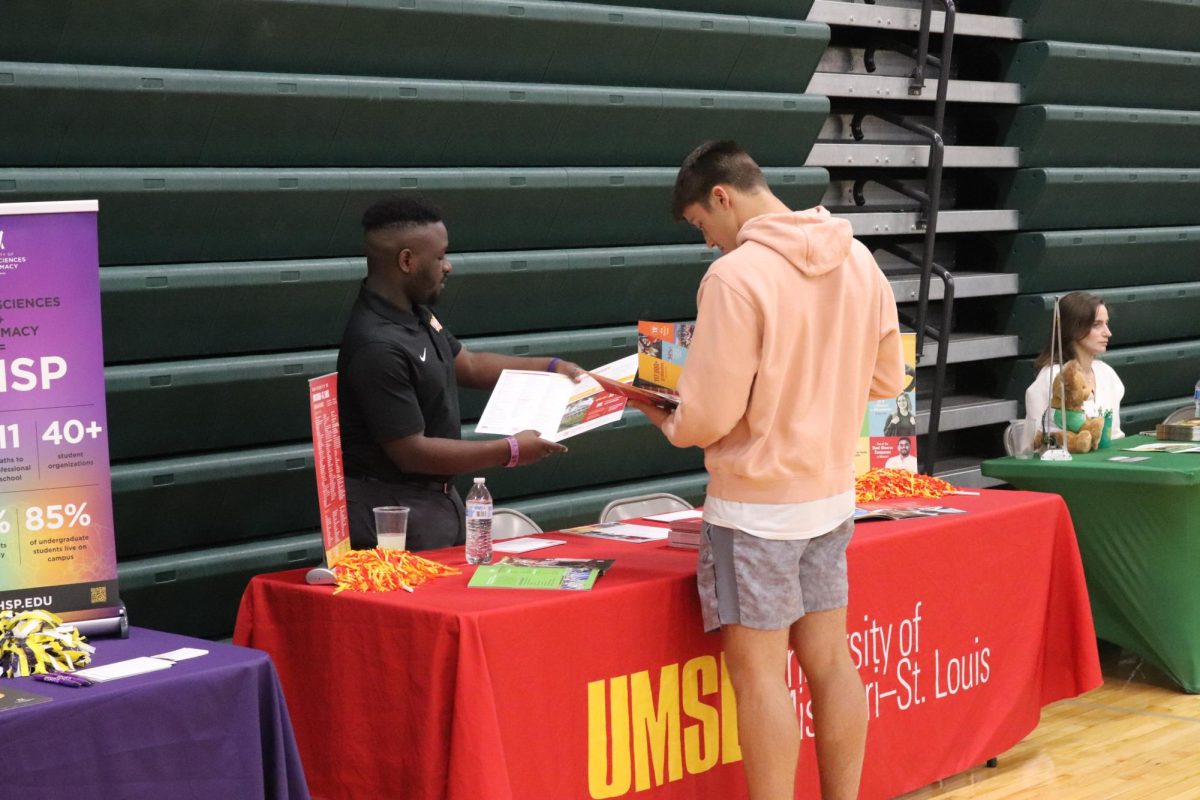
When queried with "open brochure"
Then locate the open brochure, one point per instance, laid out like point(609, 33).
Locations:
point(554, 405)
point(903, 512)
point(516, 576)
point(601, 565)
point(630, 392)
point(620, 531)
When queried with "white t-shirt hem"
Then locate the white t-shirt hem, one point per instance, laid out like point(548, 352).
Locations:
point(781, 521)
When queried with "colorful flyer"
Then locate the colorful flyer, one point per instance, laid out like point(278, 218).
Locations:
point(327, 457)
point(662, 350)
point(56, 524)
point(889, 433)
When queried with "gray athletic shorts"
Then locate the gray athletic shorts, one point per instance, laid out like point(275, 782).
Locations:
point(767, 583)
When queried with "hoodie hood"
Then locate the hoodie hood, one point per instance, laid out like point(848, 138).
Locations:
point(812, 241)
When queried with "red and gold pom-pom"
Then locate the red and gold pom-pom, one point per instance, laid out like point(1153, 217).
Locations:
point(893, 484)
point(385, 571)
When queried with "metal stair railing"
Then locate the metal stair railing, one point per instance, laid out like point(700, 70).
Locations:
point(929, 201)
point(942, 335)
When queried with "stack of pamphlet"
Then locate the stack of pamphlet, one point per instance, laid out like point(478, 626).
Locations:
point(1185, 430)
point(578, 574)
point(685, 533)
point(685, 527)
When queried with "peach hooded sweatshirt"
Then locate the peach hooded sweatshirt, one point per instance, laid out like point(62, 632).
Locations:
point(796, 329)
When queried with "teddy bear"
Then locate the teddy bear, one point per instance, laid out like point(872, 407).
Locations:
point(1083, 432)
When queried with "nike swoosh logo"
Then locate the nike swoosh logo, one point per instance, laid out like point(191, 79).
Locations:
point(424, 350)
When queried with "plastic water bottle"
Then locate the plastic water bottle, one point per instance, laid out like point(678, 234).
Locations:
point(479, 524)
point(1196, 398)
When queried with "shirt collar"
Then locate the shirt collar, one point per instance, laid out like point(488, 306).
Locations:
point(389, 311)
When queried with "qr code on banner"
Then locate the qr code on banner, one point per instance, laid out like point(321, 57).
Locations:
point(99, 594)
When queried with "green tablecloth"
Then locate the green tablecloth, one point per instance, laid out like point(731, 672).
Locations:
point(1138, 526)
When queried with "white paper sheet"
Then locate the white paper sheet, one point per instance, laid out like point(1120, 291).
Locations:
point(524, 544)
point(124, 669)
point(675, 516)
point(182, 654)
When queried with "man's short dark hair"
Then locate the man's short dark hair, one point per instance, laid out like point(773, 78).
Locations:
point(709, 164)
point(399, 212)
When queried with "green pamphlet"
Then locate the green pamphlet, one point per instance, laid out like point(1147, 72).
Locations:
point(510, 576)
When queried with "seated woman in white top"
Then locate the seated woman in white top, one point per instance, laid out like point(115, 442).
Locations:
point(1085, 336)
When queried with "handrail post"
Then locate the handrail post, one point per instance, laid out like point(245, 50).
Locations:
point(939, 106)
point(916, 81)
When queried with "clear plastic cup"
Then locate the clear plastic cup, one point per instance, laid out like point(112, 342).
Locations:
point(391, 527)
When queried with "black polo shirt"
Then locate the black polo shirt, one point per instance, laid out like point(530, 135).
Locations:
point(395, 379)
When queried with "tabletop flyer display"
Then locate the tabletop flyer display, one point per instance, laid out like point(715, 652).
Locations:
point(891, 420)
point(57, 550)
point(327, 460)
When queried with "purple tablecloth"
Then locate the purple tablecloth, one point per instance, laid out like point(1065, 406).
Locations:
point(210, 727)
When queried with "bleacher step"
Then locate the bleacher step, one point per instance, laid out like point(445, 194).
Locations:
point(964, 471)
point(894, 223)
point(906, 285)
point(884, 87)
point(969, 411)
point(853, 154)
point(858, 15)
point(970, 347)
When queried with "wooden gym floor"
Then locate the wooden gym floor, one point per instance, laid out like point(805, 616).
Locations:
point(1137, 737)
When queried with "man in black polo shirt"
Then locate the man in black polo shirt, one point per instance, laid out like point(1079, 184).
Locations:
point(398, 376)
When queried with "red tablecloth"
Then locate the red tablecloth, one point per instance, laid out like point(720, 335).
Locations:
point(965, 627)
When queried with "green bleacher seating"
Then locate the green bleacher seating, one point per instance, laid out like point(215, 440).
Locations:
point(1085, 259)
point(1104, 198)
point(211, 403)
point(195, 310)
point(1150, 372)
point(80, 115)
point(1143, 23)
point(1105, 75)
point(526, 291)
point(161, 214)
point(186, 502)
point(206, 404)
point(216, 499)
point(197, 593)
point(1138, 313)
point(1157, 371)
point(565, 509)
point(523, 40)
point(784, 9)
point(1077, 136)
point(1140, 417)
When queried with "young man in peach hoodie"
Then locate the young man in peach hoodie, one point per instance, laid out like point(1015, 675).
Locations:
point(796, 329)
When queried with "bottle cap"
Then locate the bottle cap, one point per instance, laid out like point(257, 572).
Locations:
point(479, 480)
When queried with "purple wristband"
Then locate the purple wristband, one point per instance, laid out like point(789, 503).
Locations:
point(514, 451)
point(553, 363)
